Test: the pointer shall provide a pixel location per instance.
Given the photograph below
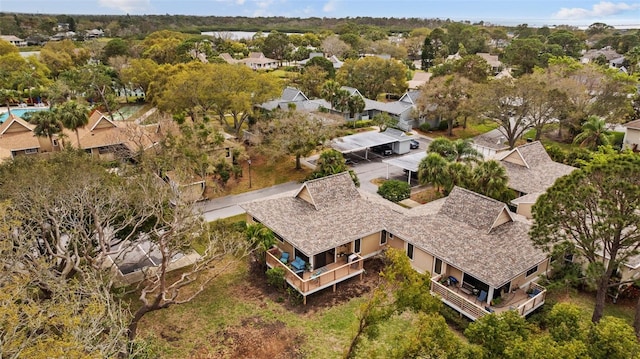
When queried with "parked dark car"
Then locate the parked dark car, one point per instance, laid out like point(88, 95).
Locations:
point(384, 150)
point(413, 144)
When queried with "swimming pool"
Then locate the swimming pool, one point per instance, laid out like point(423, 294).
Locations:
point(20, 112)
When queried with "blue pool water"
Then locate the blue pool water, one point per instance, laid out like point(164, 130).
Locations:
point(19, 112)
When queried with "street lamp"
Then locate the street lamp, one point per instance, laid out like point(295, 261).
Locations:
point(249, 162)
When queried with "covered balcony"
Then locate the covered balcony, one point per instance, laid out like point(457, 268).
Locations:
point(474, 303)
point(310, 281)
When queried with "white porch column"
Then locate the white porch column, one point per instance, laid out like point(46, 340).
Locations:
point(490, 295)
point(387, 171)
point(409, 177)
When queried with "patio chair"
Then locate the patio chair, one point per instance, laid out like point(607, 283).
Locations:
point(534, 292)
point(299, 266)
point(482, 297)
point(285, 257)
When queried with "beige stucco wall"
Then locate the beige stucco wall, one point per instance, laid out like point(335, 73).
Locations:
point(514, 157)
point(396, 242)
point(502, 218)
point(304, 194)
point(454, 272)
point(522, 279)
point(422, 261)
point(524, 209)
point(370, 245)
point(631, 137)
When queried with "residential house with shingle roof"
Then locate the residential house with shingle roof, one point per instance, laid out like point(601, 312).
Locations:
point(14, 40)
point(475, 249)
point(17, 138)
point(109, 139)
point(531, 171)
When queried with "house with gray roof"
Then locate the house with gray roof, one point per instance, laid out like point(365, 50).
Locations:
point(402, 110)
point(477, 251)
point(531, 171)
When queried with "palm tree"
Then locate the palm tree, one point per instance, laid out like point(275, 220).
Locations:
point(329, 91)
point(594, 133)
point(73, 116)
point(47, 124)
point(261, 239)
point(490, 179)
point(455, 151)
point(432, 169)
point(458, 174)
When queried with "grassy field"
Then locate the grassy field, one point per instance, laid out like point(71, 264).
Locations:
point(231, 308)
point(237, 317)
point(586, 303)
point(473, 129)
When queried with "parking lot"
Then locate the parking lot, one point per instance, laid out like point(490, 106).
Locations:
point(371, 167)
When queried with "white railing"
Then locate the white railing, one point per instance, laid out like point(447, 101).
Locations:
point(461, 303)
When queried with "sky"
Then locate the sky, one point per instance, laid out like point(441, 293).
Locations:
point(503, 12)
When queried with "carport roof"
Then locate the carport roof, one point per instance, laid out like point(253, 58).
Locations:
point(361, 141)
point(408, 162)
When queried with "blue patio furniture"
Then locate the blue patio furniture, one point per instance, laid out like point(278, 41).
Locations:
point(285, 257)
point(298, 265)
point(534, 292)
point(452, 280)
point(482, 297)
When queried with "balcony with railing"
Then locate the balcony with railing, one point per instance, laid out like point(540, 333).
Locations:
point(308, 282)
point(521, 300)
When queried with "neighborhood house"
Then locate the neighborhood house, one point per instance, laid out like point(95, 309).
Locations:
point(478, 252)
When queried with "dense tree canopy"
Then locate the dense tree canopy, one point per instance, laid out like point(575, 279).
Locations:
point(596, 209)
point(373, 76)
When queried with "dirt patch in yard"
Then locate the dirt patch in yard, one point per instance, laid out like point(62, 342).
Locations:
point(261, 338)
point(257, 289)
point(257, 339)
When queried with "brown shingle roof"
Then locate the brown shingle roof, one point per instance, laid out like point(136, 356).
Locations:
point(494, 256)
point(326, 223)
point(100, 131)
point(530, 169)
point(464, 230)
point(16, 134)
point(473, 209)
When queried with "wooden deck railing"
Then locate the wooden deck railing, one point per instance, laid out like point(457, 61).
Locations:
point(475, 311)
point(461, 303)
point(533, 303)
point(313, 283)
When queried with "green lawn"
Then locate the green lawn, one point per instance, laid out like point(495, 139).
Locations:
point(197, 329)
point(586, 302)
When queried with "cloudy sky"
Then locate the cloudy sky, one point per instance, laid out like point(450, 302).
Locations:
point(508, 12)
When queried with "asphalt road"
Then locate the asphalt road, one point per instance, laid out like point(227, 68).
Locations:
point(366, 170)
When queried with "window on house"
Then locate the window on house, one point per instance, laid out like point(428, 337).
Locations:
point(228, 149)
point(356, 245)
point(55, 142)
point(532, 271)
point(278, 237)
point(438, 266)
point(383, 237)
point(31, 151)
point(410, 251)
point(390, 235)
